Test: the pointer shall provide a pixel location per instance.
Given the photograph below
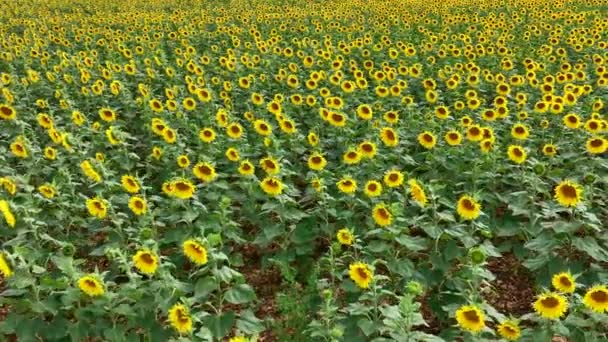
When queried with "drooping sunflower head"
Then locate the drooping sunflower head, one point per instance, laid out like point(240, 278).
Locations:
point(568, 193)
point(417, 192)
point(180, 319)
point(551, 305)
point(470, 318)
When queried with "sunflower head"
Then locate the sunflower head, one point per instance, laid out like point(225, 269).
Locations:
point(470, 318)
point(568, 193)
point(596, 298)
point(564, 282)
point(551, 305)
point(361, 274)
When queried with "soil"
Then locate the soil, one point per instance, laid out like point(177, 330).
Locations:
point(513, 289)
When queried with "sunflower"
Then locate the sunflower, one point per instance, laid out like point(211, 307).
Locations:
point(337, 119)
point(137, 205)
point(389, 137)
point(509, 330)
point(316, 162)
point(517, 154)
point(8, 185)
point(5, 209)
point(381, 215)
point(272, 186)
point(470, 318)
point(145, 261)
point(312, 139)
point(97, 207)
point(417, 192)
point(520, 131)
point(262, 127)
point(47, 190)
point(50, 153)
point(365, 112)
point(196, 252)
point(111, 137)
point(169, 135)
point(427, 140)
point(453, 138)
point(44, 121)
point(182, 189)
point(596, 145)
point(130, 184)
point(351, 156)
point(91, 285)
point(468, 208)
point(183, 161)
point(7, 112)
point(107, 114)
point(551, 305)
point(568, 193)
point(361, 274)
point(204, 171)
point(367, 149)
point(442, 112)
point(474, 133)
point(207, 135)
point(373, 188)
point(189, 104)
point(233, 154)
point(564, 282)
point(180, 319)
point(246, 168)
point(345, 237)
point(549, 150)
point(347, 185)
point(270, 165)
point(18, 148)
point(596, 298)
point(5, 268)
point(572, 121)
point(593, 126)
point(391, 117)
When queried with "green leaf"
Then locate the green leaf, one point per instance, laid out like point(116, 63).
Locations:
point(220, 325)
point(413, 243)
point(590, 246)
point(204, 286)
point(249, 324)
point(240, 294)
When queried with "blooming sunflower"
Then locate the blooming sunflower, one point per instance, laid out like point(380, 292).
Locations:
point(196, 252)
point(393, 178)
point(351, 157)
point(183, 161)
point(180, 319)
point(47, 190)
point(453, 138)
point(520, 131)
point(130, 184)
point(572, 121)
point(373, 188)
point(551, 305)
point(207, 135)
point(169, 135)
point(381, 215)
point(262, 127)
point(468, 208)
point(427, 140)
point(474, 133)
point(549, 150)
point(145, 261)
point(272, 186)
point(5, 209)
point(417, 192)
point(5, 268)
point(138, 205)
point(97, 207)
point(389, 137)
point(564, 282)
point(7, 112)
point(91, 285)
point(270, 165)
point(316, 162)
point(233, 154)
point(246, 168)
point(517, 154)
point(470, 318)
point(597, 145)
point(361, 274)
point(182, 189)
point(568, 193)
point(509, 330)
point(367, 149)
point(18, 148)
point(204, 171)
point(345, 237)
point(107, 114)
point(596, 298)
point(238, 339)
point(347, 185)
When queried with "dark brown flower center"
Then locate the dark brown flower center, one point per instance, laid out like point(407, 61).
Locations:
point(472, 316)
point(599, 296)
point(568, 191)
point(550, 302)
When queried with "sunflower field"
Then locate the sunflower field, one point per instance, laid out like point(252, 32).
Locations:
point(304, 170)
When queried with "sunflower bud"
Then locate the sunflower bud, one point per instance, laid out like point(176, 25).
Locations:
point(477, 256)
point(145, 233)
point(589, 178)
point(414, 287)
point(337, 332)
point(327, 293)
point(68, 250)
point(539, 169)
